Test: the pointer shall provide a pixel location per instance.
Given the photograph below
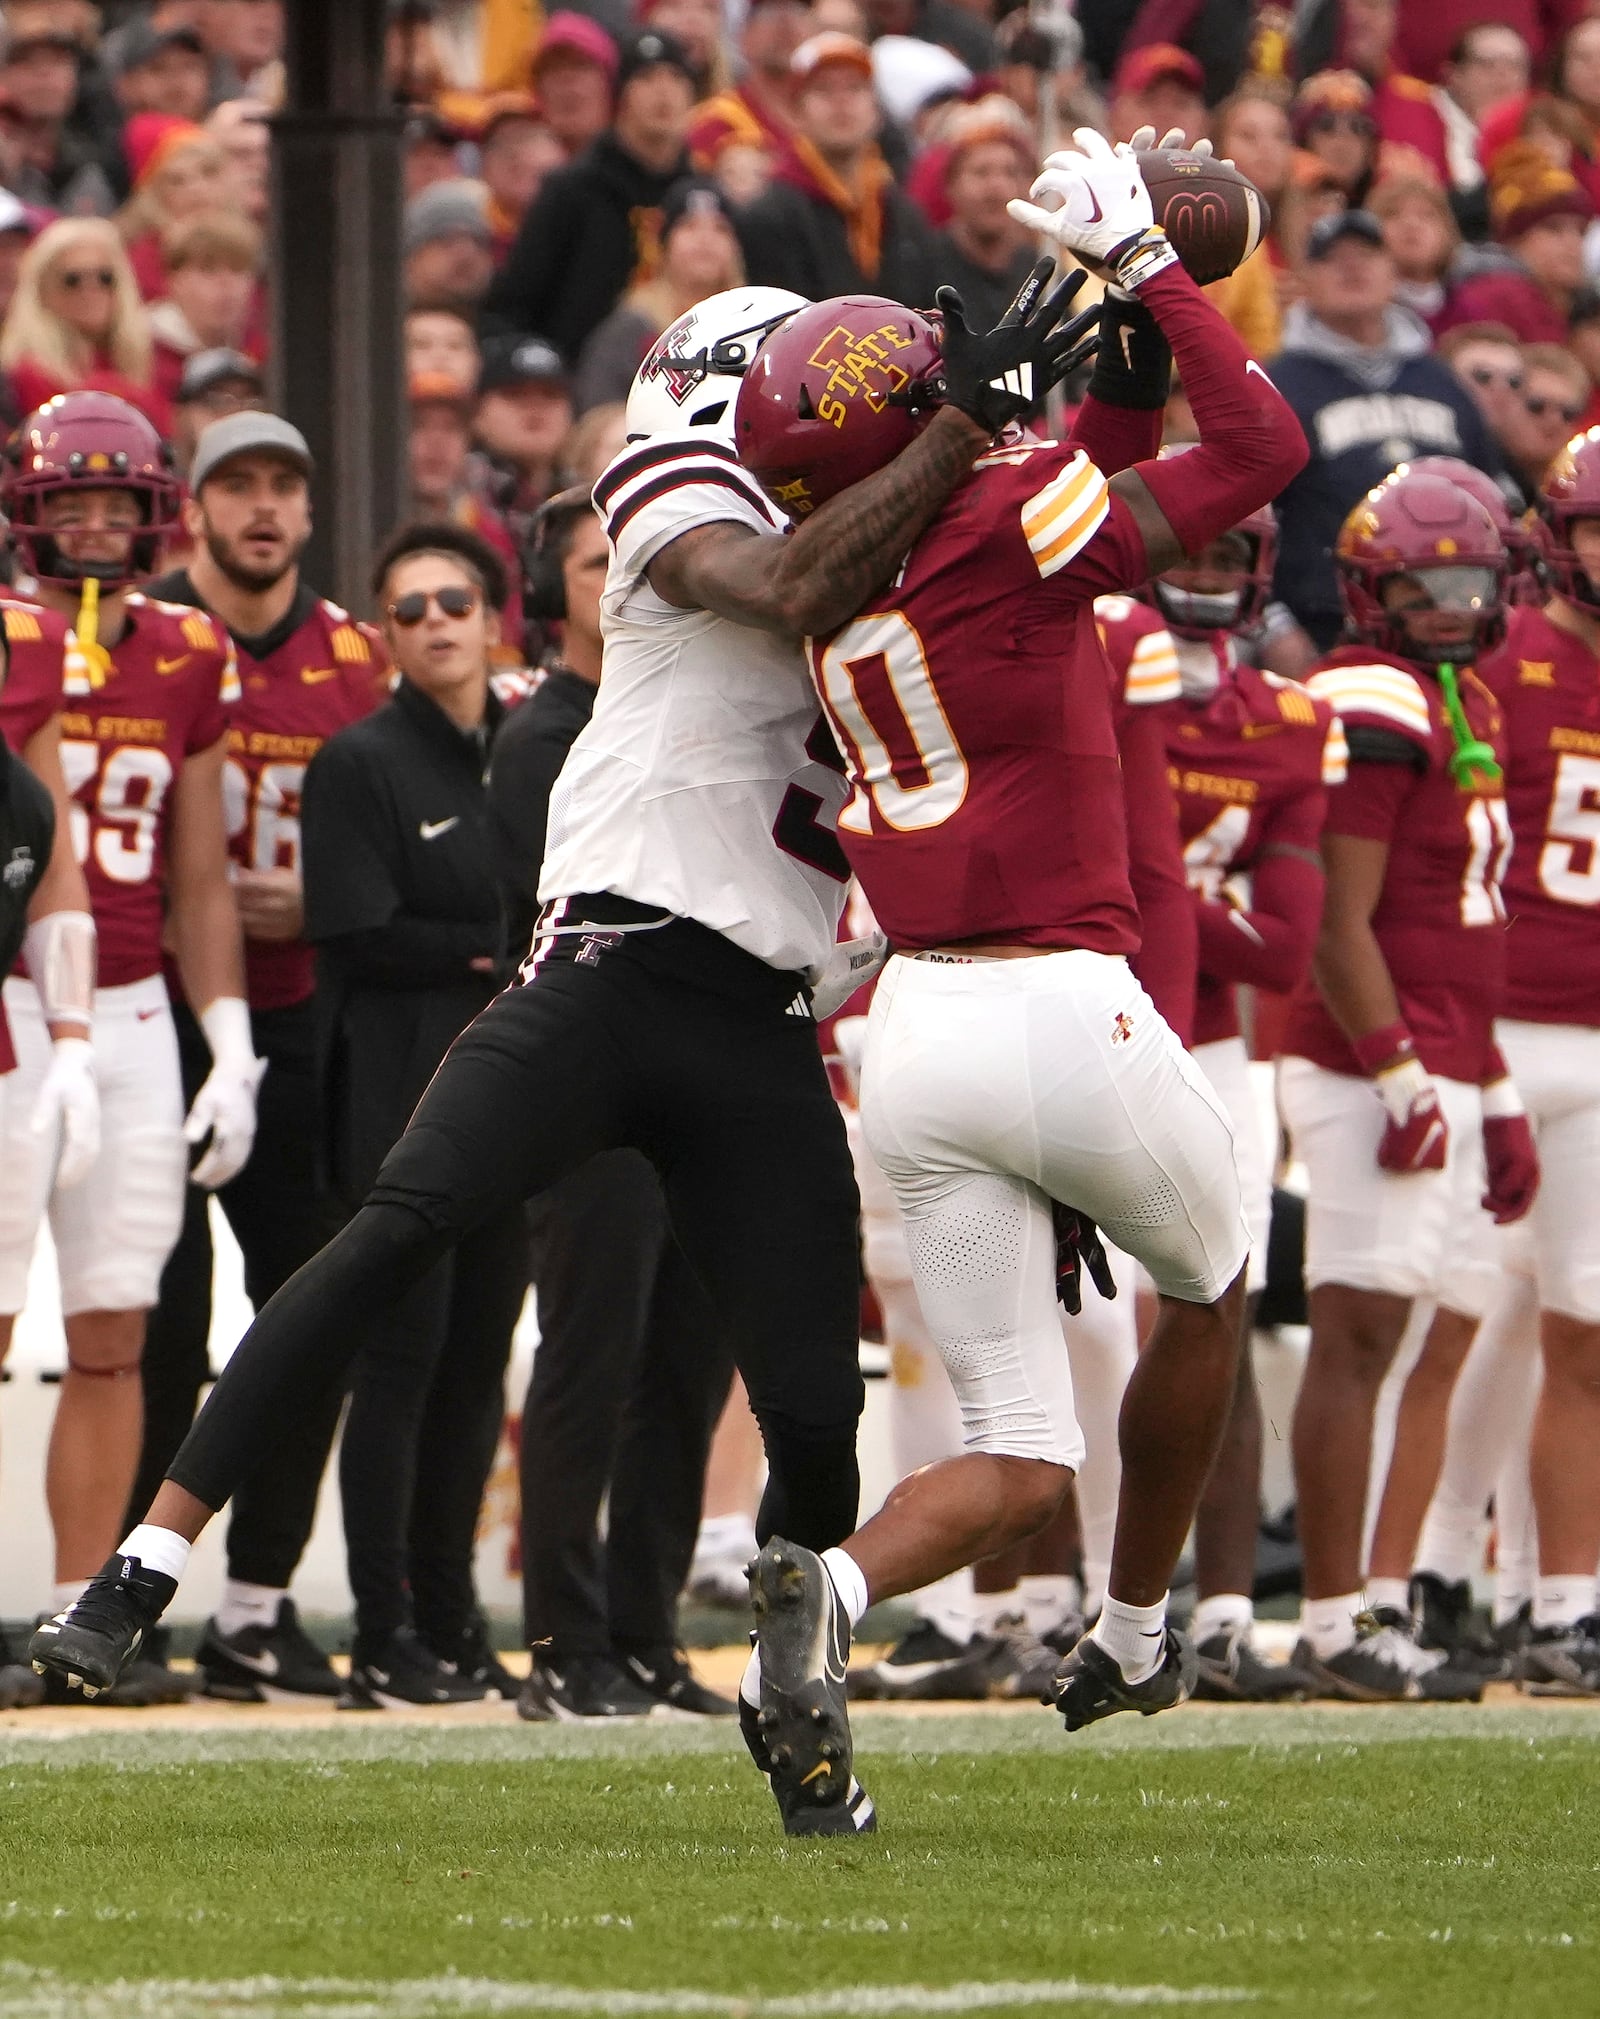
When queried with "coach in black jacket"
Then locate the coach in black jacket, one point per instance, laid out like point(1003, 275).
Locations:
point(593, 223)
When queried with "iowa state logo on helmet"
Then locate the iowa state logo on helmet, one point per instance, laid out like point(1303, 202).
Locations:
point(861, 365)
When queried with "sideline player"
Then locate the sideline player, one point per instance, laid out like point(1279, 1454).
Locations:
point(693, 884)
point(306, 670)
point(1013, 1064)
point(1547, 678)
point(1252, 756)
point(89, 492)
point(1384, 1056)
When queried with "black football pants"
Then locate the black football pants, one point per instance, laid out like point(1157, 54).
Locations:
point(673, 1042)
point(280, 1216)
point(628, 1382)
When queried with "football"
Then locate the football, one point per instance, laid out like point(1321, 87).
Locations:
point(1214, 216)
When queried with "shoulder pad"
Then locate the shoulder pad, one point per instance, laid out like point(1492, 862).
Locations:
point(1060, 520)
point(1384, 695)
point(22, 625)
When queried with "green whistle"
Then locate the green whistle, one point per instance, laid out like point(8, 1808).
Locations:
point(1472, 762)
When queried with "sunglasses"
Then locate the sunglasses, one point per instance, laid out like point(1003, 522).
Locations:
point(409, 611)
point(87, 276)
point(1343, 122)
point(1486, 375)
point(1538, 405)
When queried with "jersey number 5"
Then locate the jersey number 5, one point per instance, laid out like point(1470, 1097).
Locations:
point(881, 699)
point(1573, 827)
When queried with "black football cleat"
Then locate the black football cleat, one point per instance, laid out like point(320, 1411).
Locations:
point(471, 1653)
point(280, 1663)
point(1562, 1661)
point(403, 1674)
point(87, 1646)
point(1232, 1672)
point(1025, 1664)
point(1384, 1664)
point(1090, 1686)
point(570, 1689)
point(667, 1677)
point(926, 1665)
point(20, 1688)
point(1446, 1624)
point(803, 1637)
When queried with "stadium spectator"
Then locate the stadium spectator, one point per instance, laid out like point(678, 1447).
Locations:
point(982, 252)
point(239, 127)
point(523, 416)
point(447, 246)
point(1420, 230)
point(164, 70)
point(575, 78)
point(623, 1393)
point(916, 83)
point(592, 226)
point(439, 341)
point(1487, 359)
point(1356, 370)
point(1251, 129)
point(1489, 64)
point(440, 486)
point(481, 47)
point(700, 256)
point(960, 29)
point(244, 39)
point(1027, 55)
point(214, 383)
point(1555, 395)
point(833, 221)
point(1332, 120)
point(698, 25)
point(597, 439)
point(1159, 85)
point(432, 152)
point(402, 905)
point(1402, 106)
point(1540, 214)
point(16, 234)
point(517, 149)
point(76, 320)
point(1429, 41)
point(177, 169)
point(55, 167)
point(755, 115)
point(213, 263)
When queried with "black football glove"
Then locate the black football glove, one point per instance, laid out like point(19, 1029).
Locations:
point(1003, 374)
point(1077, 1243)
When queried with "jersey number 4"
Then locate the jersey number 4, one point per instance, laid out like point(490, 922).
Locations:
point(903, 755)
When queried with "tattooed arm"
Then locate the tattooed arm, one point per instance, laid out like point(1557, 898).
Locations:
point(819, 576)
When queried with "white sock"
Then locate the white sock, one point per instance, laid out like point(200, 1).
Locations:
point(1562, 1601)
point(1048, 1601)
point(1225, 1612)
point(248, 1605)
point(1330, 1623)
point(726, 1535)
point(990, 1607)
point(159, 1549)
point(67, 1592)
point(947, 1604)
point(750, 1681)
point(1133, 1635)
point(1391, 1591)
point(845, 1575)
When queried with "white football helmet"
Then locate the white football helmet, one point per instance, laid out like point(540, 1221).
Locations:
point(688, 380)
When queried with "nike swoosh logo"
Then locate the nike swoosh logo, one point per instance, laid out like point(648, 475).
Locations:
point(172, 665)
point(1252, 366)
point(258, 1664)
point(145, 1015)
point(313, 676)
point(1096, 214)
point(430, 830)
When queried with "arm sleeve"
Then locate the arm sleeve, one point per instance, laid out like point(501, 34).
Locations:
point(1115, 438)
point(1168, 954)
point(1119, 423)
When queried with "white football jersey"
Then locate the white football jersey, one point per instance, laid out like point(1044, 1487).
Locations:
point(694, 786)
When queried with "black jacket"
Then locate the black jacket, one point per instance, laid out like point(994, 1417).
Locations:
point(528, 755)
point(985, 294)
point(794, 240)
point(27, 829)
point(400, 899)
point(578, 246)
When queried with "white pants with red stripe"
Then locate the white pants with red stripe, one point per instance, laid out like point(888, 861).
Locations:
point(114, 1231)
point(1557, 1072)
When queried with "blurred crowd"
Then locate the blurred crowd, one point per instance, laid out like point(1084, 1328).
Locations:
point(575, 181)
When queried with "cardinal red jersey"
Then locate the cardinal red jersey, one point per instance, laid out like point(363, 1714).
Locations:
point(1251, 765)
point(124, 737)
point(36, 643)
point(1548, 683)
point(972, 702)
point(329, 672)
point(1439, 921)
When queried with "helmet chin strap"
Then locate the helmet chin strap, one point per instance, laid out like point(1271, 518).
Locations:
point(96, 659)
point(1472, 762)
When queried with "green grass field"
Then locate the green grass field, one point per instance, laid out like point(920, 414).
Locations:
point(1409, 1861)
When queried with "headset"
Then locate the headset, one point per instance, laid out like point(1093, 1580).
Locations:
point(544, 591)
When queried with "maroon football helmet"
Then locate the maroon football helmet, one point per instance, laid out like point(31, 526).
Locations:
point(834, 393)
point(1419, 525)
point(1187, 614)
point(87, 441)
point(1522, 542)
point(1571, 490)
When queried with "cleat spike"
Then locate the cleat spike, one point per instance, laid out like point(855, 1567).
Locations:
point(828, 1750)
point(766, 1718)
point(818, 1714)
point(781, 1756)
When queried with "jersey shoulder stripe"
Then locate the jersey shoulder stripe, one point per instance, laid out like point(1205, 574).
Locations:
point(684, 476)
point(1335, 753)
point(651, 456)
point(1381, 694)
point(1059, 521)
point(1153, 673)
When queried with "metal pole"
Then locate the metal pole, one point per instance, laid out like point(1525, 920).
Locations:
point(337, 196)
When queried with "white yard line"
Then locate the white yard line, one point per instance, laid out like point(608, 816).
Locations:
point(40, 1994)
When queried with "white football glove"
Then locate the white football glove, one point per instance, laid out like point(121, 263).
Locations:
point(225, 1107)
point(68, 1108)
point(852, 962)
point(1104, 204)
